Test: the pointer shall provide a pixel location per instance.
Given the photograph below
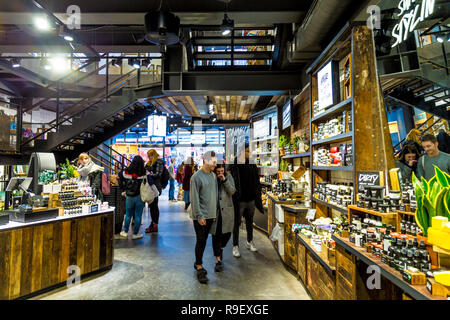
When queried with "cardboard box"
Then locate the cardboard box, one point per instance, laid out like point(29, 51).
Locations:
point(414, 278)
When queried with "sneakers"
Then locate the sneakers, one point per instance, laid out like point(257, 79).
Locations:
point(136, 236)
point(201, 276)
point(219, 266)
point(236, 253)
point(251, 246)
point(152, 228)
point(123, 234)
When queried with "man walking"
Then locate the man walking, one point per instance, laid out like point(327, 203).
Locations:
point(172, 180)
point(203, 210)
point(433, 157)
point(247, 197)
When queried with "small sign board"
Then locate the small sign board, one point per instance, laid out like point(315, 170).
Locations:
point(369, 178)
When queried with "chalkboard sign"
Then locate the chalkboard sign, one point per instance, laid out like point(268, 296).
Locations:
point(369, 178)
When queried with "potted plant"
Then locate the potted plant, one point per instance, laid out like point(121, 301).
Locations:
point(296, 144)
point(287, 147)
point(433, 199)
point(281, 144)
point(67, 171)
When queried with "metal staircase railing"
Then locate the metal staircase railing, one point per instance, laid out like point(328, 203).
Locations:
point(85, 105)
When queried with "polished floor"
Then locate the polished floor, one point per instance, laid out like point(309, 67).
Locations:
point(160, 266)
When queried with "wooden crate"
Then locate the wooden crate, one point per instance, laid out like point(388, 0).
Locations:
point(345, 275)
point(301, 261)
point(320, 284)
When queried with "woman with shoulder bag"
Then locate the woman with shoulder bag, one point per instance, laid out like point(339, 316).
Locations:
point(155, 167)
point(130, 181)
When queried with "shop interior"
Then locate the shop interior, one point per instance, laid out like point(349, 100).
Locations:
point(327, 108)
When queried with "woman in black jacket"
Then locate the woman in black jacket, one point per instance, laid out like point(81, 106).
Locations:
point(155, 167)
point(130, 181)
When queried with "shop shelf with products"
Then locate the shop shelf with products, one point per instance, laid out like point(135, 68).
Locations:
point(341, 113)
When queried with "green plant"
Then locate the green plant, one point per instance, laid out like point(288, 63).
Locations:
point(283, 141)
point(433, 198)
point(67, 171)
point(284, 165)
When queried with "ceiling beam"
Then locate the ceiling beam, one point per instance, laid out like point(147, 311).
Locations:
point(193, 106)
point(238, 106)
point(186, 105)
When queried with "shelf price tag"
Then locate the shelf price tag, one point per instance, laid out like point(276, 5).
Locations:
point(311, 214)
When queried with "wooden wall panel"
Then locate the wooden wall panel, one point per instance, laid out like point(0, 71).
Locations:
point(27, 261)
point(37, 257)
point(5, 253)
point(16, 263)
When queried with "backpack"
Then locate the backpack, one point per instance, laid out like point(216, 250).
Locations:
point(132, 187)
point(105, 185)
point(165, 176)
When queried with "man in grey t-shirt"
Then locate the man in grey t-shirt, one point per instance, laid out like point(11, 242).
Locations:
point(434, 157)
point(204, 198)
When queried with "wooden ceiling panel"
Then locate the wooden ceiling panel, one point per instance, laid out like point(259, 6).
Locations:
point(238, 106)
point(193, 106)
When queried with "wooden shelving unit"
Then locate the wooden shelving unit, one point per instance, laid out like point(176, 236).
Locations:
point(298, 155)
point(352, 50)
point(329, 205)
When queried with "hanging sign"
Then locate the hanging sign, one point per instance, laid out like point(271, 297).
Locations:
point(411, 13)
point(369, 178)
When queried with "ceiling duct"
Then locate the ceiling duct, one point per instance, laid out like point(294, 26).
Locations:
point(162, 27)
point(316, 26)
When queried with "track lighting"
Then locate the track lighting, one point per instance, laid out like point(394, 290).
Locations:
point(134, 63)
point(15, 62)
point(440, 39)
point(227, 25)
point(42, 23)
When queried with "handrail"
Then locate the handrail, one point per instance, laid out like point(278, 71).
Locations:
point(110, 161)
point(77, 113)
point(104, 164)
point(113, 150)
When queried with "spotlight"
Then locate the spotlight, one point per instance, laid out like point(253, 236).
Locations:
point(116, 62)
point(68, 37)
point(59, 64)
point(15, 62)
point(45, 63)
point(134, 63)
point(227, 25)
point(42, 24)
point(440, 39)
point(146, 62)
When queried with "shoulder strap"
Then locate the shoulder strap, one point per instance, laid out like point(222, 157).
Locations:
point(423, 162)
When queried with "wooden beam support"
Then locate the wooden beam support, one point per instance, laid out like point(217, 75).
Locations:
point(193, 106)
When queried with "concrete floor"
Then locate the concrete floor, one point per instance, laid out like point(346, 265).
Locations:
point(160, 266)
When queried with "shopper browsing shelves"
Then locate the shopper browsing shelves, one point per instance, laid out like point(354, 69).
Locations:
point(407, 162)
point(155, 166)
point(433, 157)
point(204, 199)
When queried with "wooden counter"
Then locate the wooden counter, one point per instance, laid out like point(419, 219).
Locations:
point(418, 292)
point(34, 257)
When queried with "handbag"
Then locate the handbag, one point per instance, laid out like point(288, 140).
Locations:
point(148, 192)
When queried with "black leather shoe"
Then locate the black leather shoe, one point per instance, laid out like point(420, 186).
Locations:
point(219, 266)
point(201, 276)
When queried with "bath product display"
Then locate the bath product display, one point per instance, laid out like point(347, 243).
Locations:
point(337, 194)
point(332, 127)
point(334, 156)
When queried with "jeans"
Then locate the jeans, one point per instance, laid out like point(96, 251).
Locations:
point(171, 189)
point(220, 240)
point(154, 210)
point(134, 206)
point(186, 196)
point(201, 233)
point(247, 210)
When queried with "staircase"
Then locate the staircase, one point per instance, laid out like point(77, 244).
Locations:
point(95, 120)
point(423, 94)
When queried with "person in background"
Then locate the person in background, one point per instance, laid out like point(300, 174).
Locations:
point(91, 173)
point(247, 197)
point(444, 141)
point(155, 167)
point(413, 137)
point(130, 181)
point(172, 180)
point(433, 157)
point(223, 225)
point(204, 197)
point(189, 170)
point(179, 178)
point(407, 162)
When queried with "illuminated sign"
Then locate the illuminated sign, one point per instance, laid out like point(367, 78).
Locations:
point(157, 140)
point(261, 129)
point(287, 115)
point(157, 125)
point(198, 138)
point(411, 13)
point(325, 85)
